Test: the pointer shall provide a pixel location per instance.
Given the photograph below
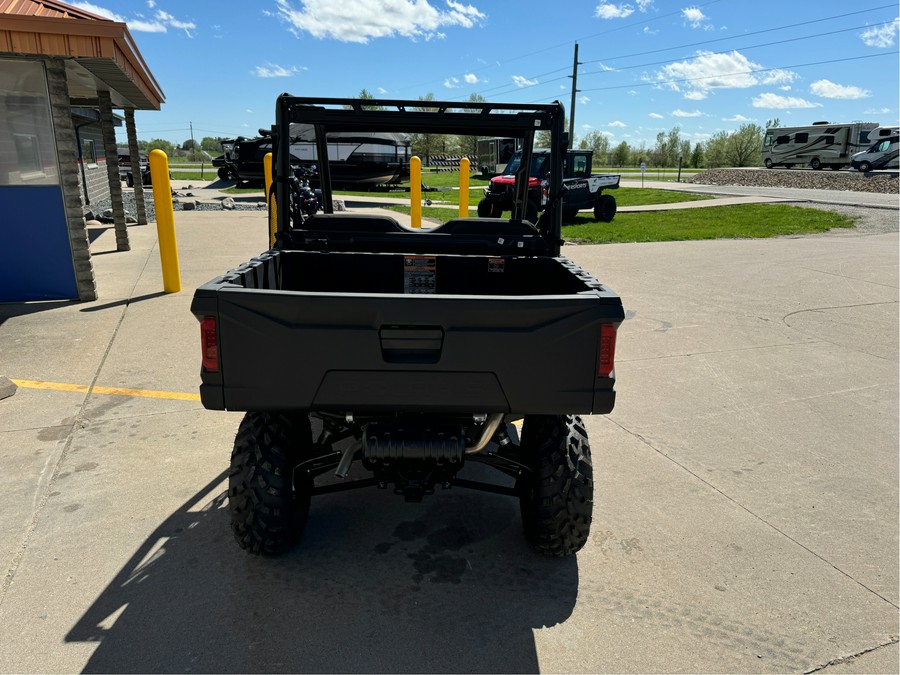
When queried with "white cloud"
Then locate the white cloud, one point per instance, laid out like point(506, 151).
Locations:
point(471, 78)
point(186, 26)
point(521, 81)
point(632, 92)
point(647, 31)
point(617, 123)
point(778, 76)
point(694, 16)
point(696, 77)
point(161, 22)
point(877, 111)
point(777, 102)
point(381, 91)
point(607, 10)
point(586, 127)
point(451, 82)
point(829, 89)
point(362, 20)
point(273, 70)
point(643, 5)
point(584, 100)
point(686, 113)
point(786, 87)
point(657, 116)
point(737, 118)
point(605, 69)
point(99, 11)
point(147, 26)
point(881, 36)
point(151, 4)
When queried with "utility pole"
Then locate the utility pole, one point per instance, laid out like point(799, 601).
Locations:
point(574, 77)
point(193, 156)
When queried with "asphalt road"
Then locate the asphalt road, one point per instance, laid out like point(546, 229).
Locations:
point(745, 516)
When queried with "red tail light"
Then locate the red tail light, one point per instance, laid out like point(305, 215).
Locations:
point(607, 361)
point(208, 344)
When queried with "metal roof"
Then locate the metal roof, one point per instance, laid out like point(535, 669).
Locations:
point(100, 54)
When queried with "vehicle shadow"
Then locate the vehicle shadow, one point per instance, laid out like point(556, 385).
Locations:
point(376, 585)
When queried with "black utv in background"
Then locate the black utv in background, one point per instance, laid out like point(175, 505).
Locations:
point(357, 346)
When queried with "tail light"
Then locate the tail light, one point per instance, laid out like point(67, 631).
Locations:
point(209, 344)
point(607, 362)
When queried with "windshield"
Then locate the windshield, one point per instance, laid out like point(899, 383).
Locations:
point(540, 165)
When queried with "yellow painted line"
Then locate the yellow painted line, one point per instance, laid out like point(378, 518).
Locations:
point(114, 391)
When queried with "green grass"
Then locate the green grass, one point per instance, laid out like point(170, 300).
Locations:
point(432, 213)
point(723, 222)
point(192, 174)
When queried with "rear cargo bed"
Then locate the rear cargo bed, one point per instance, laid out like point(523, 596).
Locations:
point(373, 332)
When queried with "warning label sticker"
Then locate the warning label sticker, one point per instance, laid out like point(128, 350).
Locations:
point(419, 273)
point(496, 264)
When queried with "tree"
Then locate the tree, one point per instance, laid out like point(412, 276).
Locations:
point(696, 157)
point(426, 145)
point(210, 144)
point(161, 144)
point(744, 144)
point(368, 96)
point(773, 124)
point(620, 154)
point(189, 145)
point(468, 145)
point(716, 150)
point(599, 143)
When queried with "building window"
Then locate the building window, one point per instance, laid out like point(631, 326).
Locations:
point(28, 154)
point(89, 153)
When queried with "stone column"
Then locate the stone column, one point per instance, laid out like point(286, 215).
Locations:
point(67, 152)
point(134, 151)
point(108, 129)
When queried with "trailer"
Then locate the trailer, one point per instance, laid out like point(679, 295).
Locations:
point(494, 154)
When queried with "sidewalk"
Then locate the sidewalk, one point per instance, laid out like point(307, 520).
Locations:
point(746, 487)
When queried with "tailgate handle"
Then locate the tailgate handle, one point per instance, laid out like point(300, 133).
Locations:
point(411, 344)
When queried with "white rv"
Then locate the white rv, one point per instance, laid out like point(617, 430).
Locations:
point(820, 145)
point(883, 154)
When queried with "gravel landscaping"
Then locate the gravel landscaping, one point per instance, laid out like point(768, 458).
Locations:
point(797, 178)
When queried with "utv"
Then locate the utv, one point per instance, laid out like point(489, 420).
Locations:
point(580, 188)
point(412, 352)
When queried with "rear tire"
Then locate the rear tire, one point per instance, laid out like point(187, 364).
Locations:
point(556, 498)
point(816, 164)
point(267, 503)
point(605, 208)
point(769, 163)
point(865, 167)
point(489, 209)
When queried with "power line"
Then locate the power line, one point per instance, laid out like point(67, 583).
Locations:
point(659, 63)
point(507, 88)
point(745, 48)
point(533, 53)
point(746, 72)
point(734, 37)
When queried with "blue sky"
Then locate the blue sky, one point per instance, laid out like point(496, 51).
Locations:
point(646, 65)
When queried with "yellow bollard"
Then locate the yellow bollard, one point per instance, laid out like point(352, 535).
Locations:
point(415, 191)
point(270, 199)
point(464, 187)
point(165, 221)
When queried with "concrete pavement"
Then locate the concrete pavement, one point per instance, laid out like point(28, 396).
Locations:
point(745, 513)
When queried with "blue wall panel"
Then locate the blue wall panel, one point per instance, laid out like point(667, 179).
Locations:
point(35, 255)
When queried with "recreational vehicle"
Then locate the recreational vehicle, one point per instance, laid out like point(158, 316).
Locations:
point(883, 152)
point(821, 145)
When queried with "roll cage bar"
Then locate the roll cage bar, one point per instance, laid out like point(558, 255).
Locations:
point(437, 117)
